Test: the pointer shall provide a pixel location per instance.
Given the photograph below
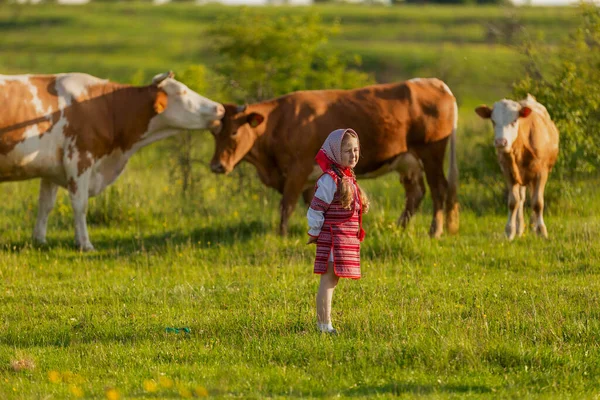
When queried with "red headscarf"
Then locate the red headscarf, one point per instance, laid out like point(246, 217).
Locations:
point(331, 151)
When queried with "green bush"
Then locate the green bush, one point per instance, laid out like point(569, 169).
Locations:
point(268, 56)
point(569, 86)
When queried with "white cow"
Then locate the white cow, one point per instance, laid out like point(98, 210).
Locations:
point(78, 132)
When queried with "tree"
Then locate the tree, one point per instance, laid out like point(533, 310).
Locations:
point(569, 86)
point(266, 56)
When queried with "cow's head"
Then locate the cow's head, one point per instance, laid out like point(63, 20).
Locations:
point(505, 117)
point(180, 107)
point(234, 136)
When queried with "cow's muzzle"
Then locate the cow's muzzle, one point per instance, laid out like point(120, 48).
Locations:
point(500, 143)
point(217, 167)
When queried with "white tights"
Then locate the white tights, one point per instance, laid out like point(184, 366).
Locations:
point(329, 281)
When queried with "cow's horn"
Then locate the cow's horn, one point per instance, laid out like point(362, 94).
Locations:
point(242, 108)
point(161, 77)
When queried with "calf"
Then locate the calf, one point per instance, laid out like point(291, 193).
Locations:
point(526, 142)
point(78, 132)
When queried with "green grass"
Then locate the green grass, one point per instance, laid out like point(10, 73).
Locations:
point(465, 316)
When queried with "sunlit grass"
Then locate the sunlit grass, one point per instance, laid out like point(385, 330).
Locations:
point(465, 316)
point(471, 315)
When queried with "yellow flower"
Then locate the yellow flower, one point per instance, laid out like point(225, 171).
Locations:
point(76, 391)
point(201, 391)
point(54, 376)
point(150, 385)
point(165, 382)
point(112, 394)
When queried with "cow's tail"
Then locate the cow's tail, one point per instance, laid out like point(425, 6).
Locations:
point(452, 196)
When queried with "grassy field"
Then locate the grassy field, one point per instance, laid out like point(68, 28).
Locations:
point(472, 48)
point(471, 315)
point(465, 316)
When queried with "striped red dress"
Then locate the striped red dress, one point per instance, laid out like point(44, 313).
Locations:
point(340, 234)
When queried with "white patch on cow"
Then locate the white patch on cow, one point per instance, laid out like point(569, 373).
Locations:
point(28, 158)
point(14, 78)
point(32, 131)
point(415, 80)
point(35, 156)
point(505, 116)
point(36, 101)
point(106, 170)
point(74, 85)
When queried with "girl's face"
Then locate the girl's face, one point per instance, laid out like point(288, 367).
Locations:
point(350, 152)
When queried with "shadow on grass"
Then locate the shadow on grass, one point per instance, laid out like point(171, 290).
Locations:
point(228, 234)
point(106, 246)
point(399, 388)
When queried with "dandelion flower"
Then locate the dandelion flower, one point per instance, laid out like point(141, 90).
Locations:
point(112, 394)
point(54, 376)
point(201, 391)
point(150, 386)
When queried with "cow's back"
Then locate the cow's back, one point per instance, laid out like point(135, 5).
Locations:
point(391, 118)
point(540, 132)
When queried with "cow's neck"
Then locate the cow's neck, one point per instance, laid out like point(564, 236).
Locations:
point(140, 126)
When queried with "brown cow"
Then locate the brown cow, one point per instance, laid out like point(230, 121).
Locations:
point(77, 131)
point(526, 142)
point(403, 127)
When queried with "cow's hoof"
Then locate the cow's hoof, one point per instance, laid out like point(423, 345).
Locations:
point(435, 233)
point(541, 230)
point(86, 247)
point(509, 231)
point(39, 241)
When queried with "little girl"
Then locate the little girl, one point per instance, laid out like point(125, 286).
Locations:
point(335, 219)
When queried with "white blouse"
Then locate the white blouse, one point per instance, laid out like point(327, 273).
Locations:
point(326, 188)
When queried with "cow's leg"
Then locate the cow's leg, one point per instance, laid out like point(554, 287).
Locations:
point(78, 192)
point(414, 187)
point(520, 214)
point(292, 189)
point(434, 172)
point(514, 199)
point(45, 205)
point(537, 204)
point(411, 177)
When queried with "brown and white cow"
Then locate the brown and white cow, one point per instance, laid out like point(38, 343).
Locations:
point(403, 127)
point(526, 142)
point(78, 132)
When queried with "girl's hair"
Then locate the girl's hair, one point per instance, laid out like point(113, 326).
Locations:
point(345, 187)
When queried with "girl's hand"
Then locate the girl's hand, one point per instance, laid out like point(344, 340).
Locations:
point(311, 240)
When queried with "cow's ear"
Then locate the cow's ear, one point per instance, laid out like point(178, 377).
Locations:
point(484, 112)
point(255, 119)
point(160, 102)
point(524, 112)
